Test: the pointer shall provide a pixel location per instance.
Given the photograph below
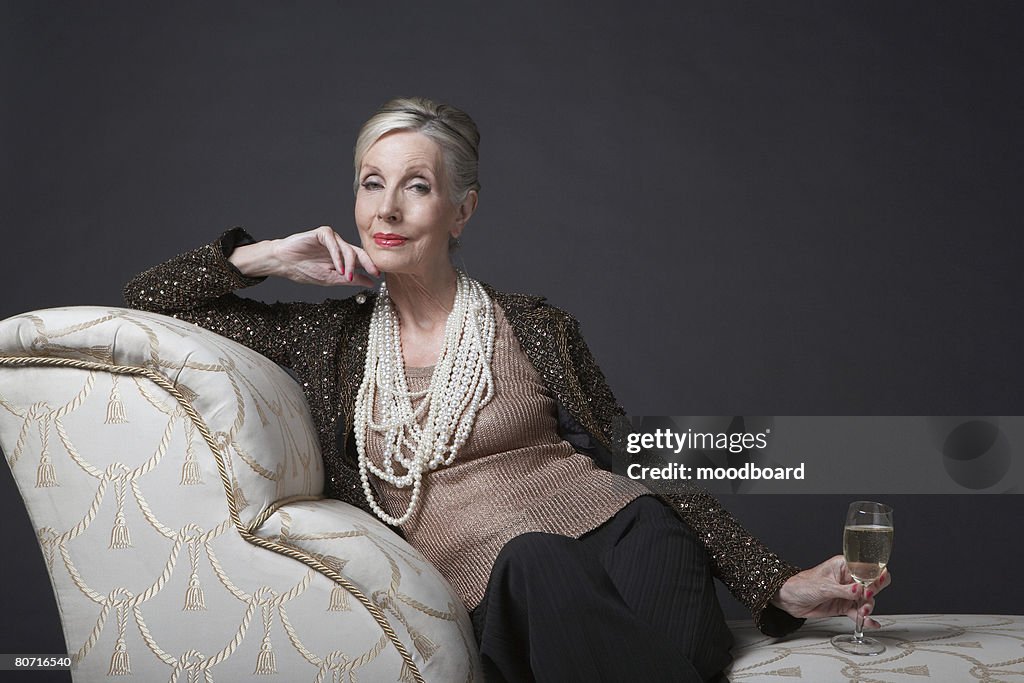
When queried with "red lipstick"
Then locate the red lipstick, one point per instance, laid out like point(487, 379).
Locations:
point(388, 239)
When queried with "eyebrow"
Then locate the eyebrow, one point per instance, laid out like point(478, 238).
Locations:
point(419, 170)
point(414, 171)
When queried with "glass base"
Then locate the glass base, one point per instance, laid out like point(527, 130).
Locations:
point(854, 646)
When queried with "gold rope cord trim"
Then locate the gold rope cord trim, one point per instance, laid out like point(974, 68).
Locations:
point(271, 509)
point(200, 425)
point(40, 325)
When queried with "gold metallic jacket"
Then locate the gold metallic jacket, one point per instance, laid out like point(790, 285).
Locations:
point(325, 346)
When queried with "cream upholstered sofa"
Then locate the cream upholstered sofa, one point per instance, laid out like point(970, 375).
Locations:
point(174, 481)
point(921, 648)
point(173, 478)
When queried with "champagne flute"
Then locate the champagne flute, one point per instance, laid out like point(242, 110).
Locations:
point(867, 542)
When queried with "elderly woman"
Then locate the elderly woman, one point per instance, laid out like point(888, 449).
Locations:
point(478, 424)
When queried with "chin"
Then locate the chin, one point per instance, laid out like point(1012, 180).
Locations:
point(389, 262)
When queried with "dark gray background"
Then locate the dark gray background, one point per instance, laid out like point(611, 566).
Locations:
point(764, 208)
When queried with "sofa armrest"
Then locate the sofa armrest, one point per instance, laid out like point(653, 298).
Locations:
point(147, 451)
point(375, 566)
point(248, 410)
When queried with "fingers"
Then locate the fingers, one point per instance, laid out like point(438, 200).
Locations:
point(362, 281)
point(874, 589)
point(368, 265)
point(865, 610)
point(346, 260)
point(884, 580)
point(327, 237)
point(352, 258)
point(843, 591)
point(879, 585)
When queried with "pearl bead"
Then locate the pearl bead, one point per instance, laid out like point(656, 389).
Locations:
point(461, 384)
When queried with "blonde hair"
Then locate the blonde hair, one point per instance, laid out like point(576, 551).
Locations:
point(451, 128)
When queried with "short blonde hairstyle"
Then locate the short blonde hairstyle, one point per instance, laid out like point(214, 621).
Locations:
point(451, 128)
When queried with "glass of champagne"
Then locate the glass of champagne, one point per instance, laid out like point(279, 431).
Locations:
point(867, 542)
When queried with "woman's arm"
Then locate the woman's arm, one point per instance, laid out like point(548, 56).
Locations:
point(751, 572)
point(198, 285)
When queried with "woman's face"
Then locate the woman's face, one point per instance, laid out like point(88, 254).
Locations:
point(403, 208)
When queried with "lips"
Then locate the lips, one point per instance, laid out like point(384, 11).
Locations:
point(388, 239)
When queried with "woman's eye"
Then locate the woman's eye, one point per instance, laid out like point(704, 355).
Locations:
point(420, 188)
point(371, 185)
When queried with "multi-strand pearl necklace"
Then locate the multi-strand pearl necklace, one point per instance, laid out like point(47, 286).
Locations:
point(460, 386)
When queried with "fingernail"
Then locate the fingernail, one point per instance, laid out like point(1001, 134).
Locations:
point(869, 593)
point(854, 589)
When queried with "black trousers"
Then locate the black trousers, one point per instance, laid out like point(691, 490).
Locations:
point(632, 600)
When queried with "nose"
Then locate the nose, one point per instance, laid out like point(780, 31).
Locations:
point(389, 209)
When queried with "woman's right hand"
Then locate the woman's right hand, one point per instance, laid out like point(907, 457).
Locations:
point(829, 590)
point(314, 257)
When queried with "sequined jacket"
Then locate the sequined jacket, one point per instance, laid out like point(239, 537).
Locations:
point(325, 346)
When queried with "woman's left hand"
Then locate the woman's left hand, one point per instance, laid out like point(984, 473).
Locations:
point(829, 590)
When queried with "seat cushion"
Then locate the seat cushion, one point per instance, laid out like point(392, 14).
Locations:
point(920, 647)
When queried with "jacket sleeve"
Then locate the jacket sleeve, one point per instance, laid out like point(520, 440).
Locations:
point(198, 285)
point(751, 572)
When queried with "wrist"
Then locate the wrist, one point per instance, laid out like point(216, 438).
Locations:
point(255, 260)
point(783, 597)
point(776, 599)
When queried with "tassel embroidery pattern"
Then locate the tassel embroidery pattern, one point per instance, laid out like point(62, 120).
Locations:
point(192, 663)
point(424, 645)
point(239, 494)
point(334, 667)
point(120, 665)
point(263, 417)
point(190, 475)
point(339, 596)
point(405, 675)
point(115, 408)
point(45, 474)
point(265, 663)
point(48, 540)
point(119, 536)
point(339, 600)
point(194, 600)
point(187, 393)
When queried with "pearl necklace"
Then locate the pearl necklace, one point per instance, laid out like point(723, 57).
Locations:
point(460, 386)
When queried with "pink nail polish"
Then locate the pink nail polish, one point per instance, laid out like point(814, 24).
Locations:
point(870, 593)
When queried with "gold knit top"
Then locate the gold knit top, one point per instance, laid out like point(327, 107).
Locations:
point(514, 474)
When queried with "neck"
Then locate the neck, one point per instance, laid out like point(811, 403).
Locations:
point(423, 300)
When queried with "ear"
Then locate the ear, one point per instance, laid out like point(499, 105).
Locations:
point(465, 210)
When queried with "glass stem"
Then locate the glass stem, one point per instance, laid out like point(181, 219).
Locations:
point(858, 624)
